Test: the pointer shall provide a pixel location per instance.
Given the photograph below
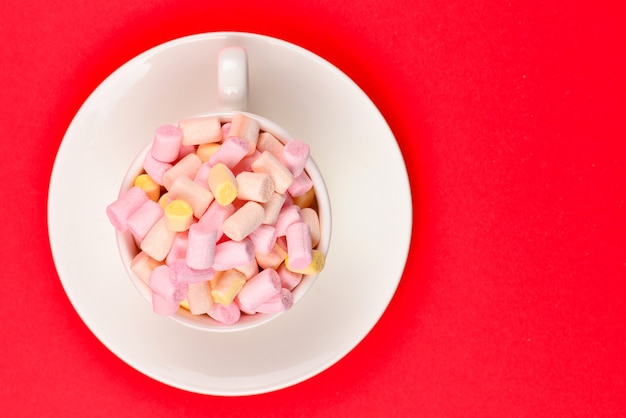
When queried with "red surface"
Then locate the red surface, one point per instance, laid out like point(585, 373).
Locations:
point(511, 117)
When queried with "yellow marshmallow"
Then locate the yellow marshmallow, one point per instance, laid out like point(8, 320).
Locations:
point(149, 186)
point(178, 216)
point(184, 304)
point(164, 200)
point(222, 184)
point(315, 267)
point(305, 200)
point(207, 149)
point(227, 287)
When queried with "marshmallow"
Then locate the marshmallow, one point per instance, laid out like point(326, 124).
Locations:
point(201, 246)
point(305, 200)
point(288, 215)
point(299, 249)
point(142, 265)
point(317, 264)
point(205, 151)
point(268, 142)
point(200, 130)
point(244, 127)
point(144, 218)
point(249, 270)
point(158, 241)
point(166, 294)
point(272, 208)
point(185, 150)
point(228, 286)
point(166, 143)
point(199, 299)
point(222, 184)
point(271, 260)
point(182, 273)
point(188, 166)
point(178, 216)
point(246, 163)
point(301, 184)
point(269, 164)
point(311, 218)
point(119, 211)
point(149, 186)
point(156, 169)
point(245, 220)
point(202, 176)
point(263, 238)
point(254, 186)
point(164, 200)
point(179, 248)
point(280, 302)
point(288, 279)
point(226, 314)
point(231, 254)
point(215, 215)
point(258, 290)
point(294, 156)
point(196, 196)
point(231, 152)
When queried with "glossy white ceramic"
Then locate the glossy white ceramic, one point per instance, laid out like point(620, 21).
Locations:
point(353, 148)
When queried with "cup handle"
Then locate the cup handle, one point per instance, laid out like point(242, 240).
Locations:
point(232, 79)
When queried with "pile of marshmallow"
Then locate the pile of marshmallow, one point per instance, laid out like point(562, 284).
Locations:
point(223, 216)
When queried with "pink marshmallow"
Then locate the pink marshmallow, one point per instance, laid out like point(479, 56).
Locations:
point(179, 248)
point(201, 246)
point(130, 201)
point(273, 207)
point(247, 128)
point(301, 184)
point(311, 218)
point(287, 216)
point(254, 186)
point(142, 265)
point(249, 270)
point(299, 248)
point(232, 254)
point(196, 196)
point(263, 238)
point(156, 169)
point(185, 150)
point(182, 273)
point(158, 241)
point(166, 294)
point(280, 302)
point(268, 142)
point(215, 216)
point(268, 164)
point(273, 259)
point(188, 166)
point(246, 163)
point(258, 290)
point(199, 298)
point(231, 152)
point(226, 314)
point(144, 218)
point(202, 176)
point(245, 220)
point(294, 156)
point(166, 143)
point(200, 130)
point(288, 279)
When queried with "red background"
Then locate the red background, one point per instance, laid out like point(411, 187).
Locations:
point(511, 118)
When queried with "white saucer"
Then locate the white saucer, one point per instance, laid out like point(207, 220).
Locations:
point(355, 151)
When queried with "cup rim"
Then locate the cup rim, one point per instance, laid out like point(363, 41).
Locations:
point(126, 243)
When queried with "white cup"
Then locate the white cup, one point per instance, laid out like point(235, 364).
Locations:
point(232, 82)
